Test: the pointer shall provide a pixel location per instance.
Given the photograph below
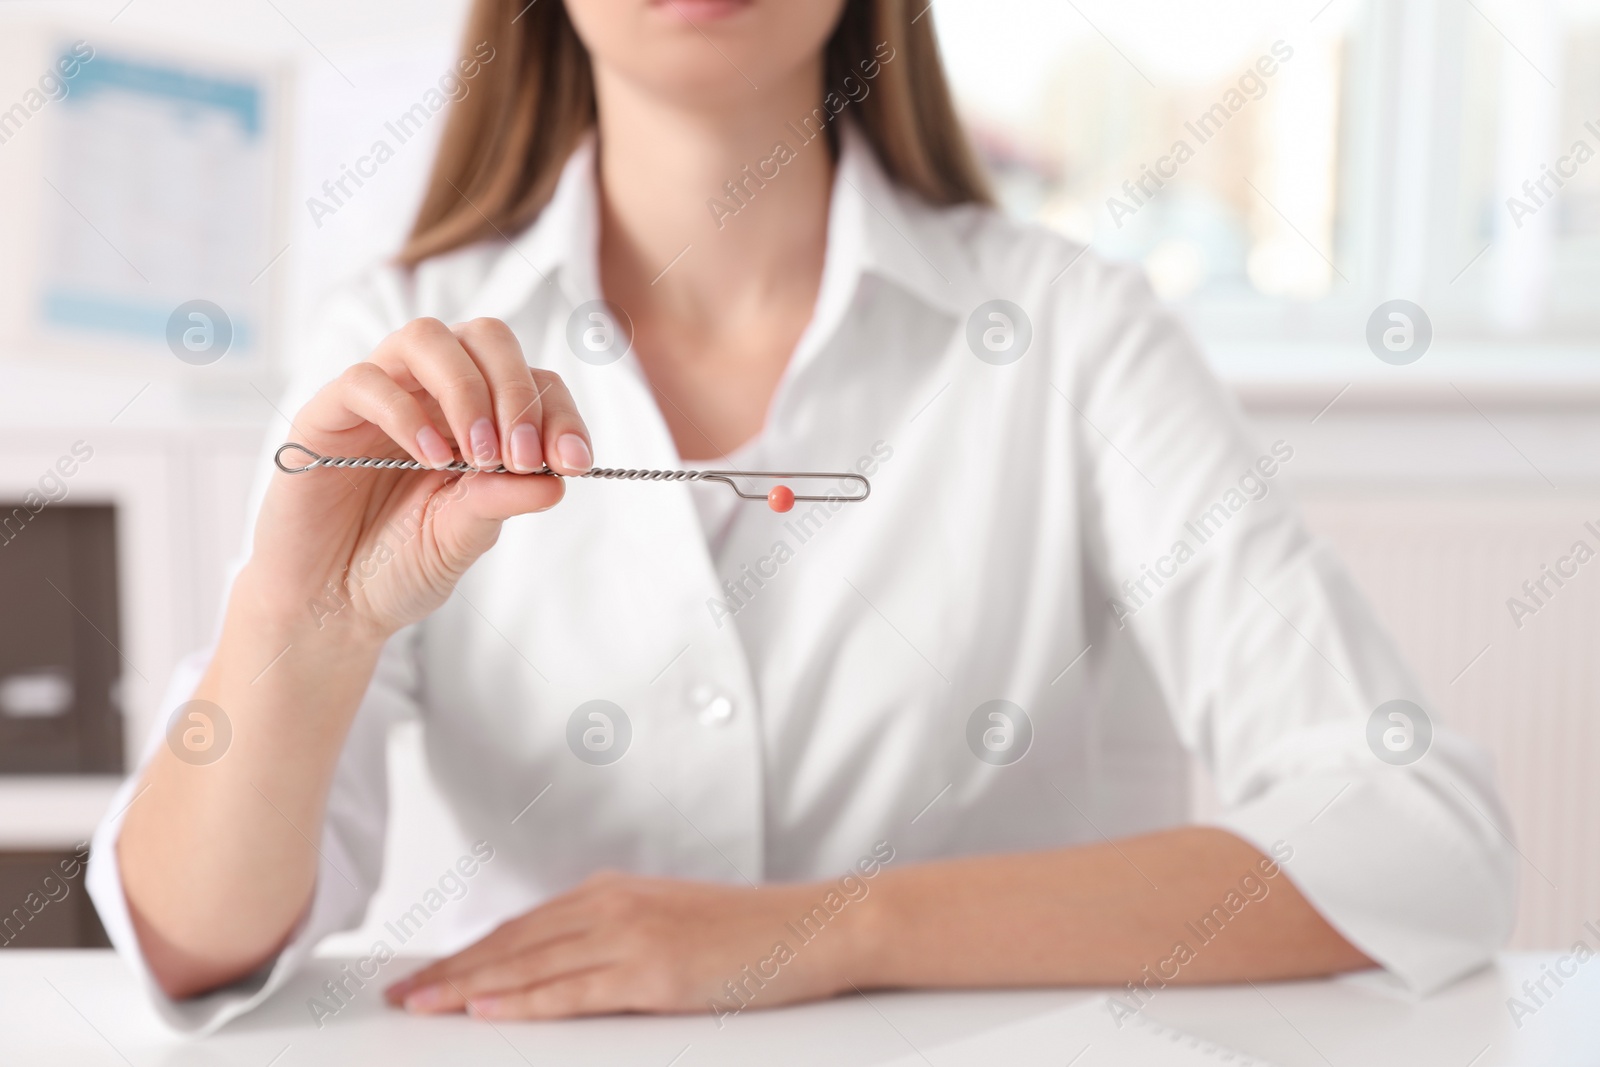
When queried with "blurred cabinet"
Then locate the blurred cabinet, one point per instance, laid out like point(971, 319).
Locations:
point(103, 590)
point(47, 904)
point(59, 636)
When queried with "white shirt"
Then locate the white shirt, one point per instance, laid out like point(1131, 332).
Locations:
point(812, 691)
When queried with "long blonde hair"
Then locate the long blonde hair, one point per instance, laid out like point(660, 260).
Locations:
point(506, 141)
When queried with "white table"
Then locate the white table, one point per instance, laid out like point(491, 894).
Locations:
point(82, 1007)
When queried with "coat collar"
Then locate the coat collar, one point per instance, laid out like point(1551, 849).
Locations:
point(875, 228)
point(880, 229)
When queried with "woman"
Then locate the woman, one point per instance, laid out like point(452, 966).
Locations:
point(903, 742)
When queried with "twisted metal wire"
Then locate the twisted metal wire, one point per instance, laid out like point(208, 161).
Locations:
point(374, 463)
point(613, 473)
point(625, 474)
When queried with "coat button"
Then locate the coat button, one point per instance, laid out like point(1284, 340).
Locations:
point(712, 708)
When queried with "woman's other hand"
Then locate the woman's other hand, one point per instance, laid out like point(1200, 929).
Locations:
point(621, 943)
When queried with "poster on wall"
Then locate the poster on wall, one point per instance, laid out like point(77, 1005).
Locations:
point(157, 209)
point(148, 186)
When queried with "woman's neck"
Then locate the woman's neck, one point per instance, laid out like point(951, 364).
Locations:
point(719, 283)
point(666, 168)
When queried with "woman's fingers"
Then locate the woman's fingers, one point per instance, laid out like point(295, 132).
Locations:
point(467, 522)
point(494, 348)
point(498, 409)
point(548, 922)
point(457, 990)
point(566, 438)
point(601, 991)
point(424, 355)
point(364, 393)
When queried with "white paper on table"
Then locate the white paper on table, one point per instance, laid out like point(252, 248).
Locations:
point(1086, 1035)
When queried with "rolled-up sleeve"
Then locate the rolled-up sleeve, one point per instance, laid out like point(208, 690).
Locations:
point(1269, 659)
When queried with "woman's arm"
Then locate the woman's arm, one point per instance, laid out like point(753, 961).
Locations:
point(216, 859)
point(1178, 906)
point(1193, 904)
point(219, 860)
point(1270, 663)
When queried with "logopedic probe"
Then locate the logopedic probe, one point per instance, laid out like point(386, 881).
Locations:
point(779, 498)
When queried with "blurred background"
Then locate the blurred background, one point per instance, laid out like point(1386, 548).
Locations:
point(171, 214)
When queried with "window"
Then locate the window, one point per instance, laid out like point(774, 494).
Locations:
point(1281, 169)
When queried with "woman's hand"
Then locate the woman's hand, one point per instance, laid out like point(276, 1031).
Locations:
point(621, 943)
point(377, 550)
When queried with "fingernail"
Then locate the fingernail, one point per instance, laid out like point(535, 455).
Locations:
point(525, 453)
point(484, 445)
point(574, 453)
point(484, 1006)
point(433, 447)
point(426, 999)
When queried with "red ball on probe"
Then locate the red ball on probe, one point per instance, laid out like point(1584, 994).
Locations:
point(781, 498)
